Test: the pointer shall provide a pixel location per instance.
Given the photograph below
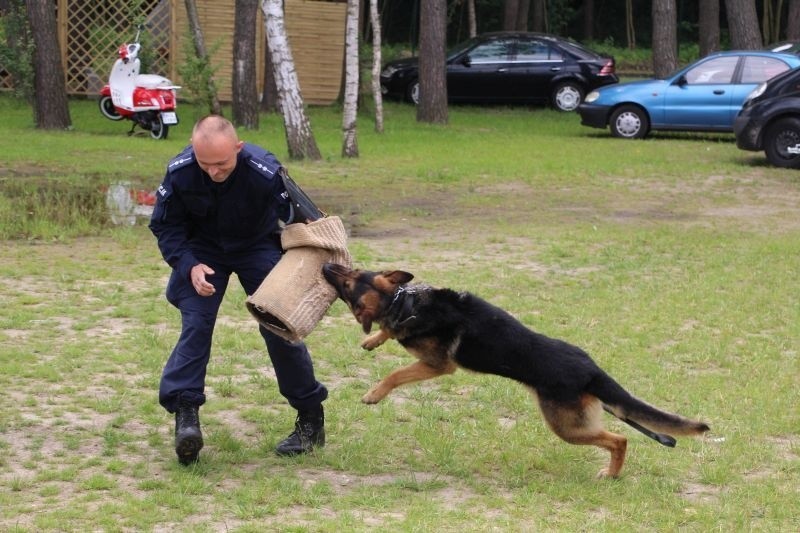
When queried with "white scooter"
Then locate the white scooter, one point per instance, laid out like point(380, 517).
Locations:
point(148, 100)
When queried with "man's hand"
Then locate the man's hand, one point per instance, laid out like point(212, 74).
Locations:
point(198, 275)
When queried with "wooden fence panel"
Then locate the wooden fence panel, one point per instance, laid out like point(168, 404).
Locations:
point(90, 31)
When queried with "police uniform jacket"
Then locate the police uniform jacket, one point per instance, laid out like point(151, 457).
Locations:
point(195, 216)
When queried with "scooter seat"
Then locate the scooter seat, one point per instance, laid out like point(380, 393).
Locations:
point(154, 81)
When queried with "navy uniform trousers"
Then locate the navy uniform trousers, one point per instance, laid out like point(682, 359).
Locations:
point(184, 374)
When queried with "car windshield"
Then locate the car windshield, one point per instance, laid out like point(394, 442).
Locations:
point(457, 49)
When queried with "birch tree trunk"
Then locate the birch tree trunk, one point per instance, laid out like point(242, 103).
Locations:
point(350, 111)
point(202, 53)
point(376, 64)
point(299, 138)
point(269, 96)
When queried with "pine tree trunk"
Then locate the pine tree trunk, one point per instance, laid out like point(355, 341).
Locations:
point(665, 37)
point(793, 21)
point(522, 14)
point(202, 53)
point(509, 14)
point(629, 26)
point(50, 105)
point(350, 111)
point(588, 20)
point(376, 64)
point(244, 89)
point(709, 26)
point(539, 22)
point(473, 21)
point(432, 105)
point(299, 138)
point(743, 24)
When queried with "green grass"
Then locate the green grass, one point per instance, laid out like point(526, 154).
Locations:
point(671, 260)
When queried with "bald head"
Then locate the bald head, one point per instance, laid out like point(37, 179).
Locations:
point(216, 146)
point(213, 127)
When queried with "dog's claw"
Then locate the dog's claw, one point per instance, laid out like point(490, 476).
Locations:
point(372, 397)
point(604, 474)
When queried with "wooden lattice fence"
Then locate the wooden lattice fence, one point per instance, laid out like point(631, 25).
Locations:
point(90, 32)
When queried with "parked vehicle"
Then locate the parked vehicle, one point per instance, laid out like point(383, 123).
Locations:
point(770, 120)
point(148, 100)
point(704, 96)
point(510, 67)
point(788, 47)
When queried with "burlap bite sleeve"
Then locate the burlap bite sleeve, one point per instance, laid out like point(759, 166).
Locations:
point(293, 298)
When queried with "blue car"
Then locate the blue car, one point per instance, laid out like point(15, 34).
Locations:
point(705, 96)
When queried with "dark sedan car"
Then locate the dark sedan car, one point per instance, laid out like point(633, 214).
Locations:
point(770, 120)
point(510, 67)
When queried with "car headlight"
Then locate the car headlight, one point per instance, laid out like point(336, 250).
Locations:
point(388, 71)
point(591, 97)
point(758, 91)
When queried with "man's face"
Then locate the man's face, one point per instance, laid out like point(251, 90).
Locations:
point(217, 156)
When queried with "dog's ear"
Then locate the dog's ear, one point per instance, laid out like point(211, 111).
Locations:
point(398, 277)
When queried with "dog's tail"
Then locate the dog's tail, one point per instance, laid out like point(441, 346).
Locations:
point(638, 413)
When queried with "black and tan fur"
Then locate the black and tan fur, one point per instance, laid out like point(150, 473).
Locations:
point(445, 330)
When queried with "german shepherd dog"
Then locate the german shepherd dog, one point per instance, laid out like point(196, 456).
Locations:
point(445, 329)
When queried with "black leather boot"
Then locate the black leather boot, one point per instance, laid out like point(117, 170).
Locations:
point(309, 431)
point(188, 438)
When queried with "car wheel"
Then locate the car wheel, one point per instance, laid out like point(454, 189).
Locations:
point(629, 122)
point(567, 96)
point(782, 143)
point(412, 92)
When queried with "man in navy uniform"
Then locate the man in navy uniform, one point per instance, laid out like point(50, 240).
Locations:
point(216, 214)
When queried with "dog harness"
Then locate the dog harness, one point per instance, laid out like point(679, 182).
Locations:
point(401, 311)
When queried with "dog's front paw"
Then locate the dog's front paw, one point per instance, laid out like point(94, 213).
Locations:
point(374, 395)
point(371, 342)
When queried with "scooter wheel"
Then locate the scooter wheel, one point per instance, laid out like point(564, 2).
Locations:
point(108, 110)
point(158, 130)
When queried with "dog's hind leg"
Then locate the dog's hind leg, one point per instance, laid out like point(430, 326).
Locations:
point(417, 371)
point(580, 422)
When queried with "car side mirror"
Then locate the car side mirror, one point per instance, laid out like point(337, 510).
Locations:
point(465, 60)
point(681, 81)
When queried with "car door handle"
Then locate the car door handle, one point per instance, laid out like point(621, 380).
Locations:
point(555, 69)
point(502, 70)
point(719, 91)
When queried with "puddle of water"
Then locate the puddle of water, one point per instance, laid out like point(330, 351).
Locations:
point(125, 203)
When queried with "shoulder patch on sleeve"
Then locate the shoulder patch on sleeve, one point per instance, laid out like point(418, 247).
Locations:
point(181, 160)
point(261, 160)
